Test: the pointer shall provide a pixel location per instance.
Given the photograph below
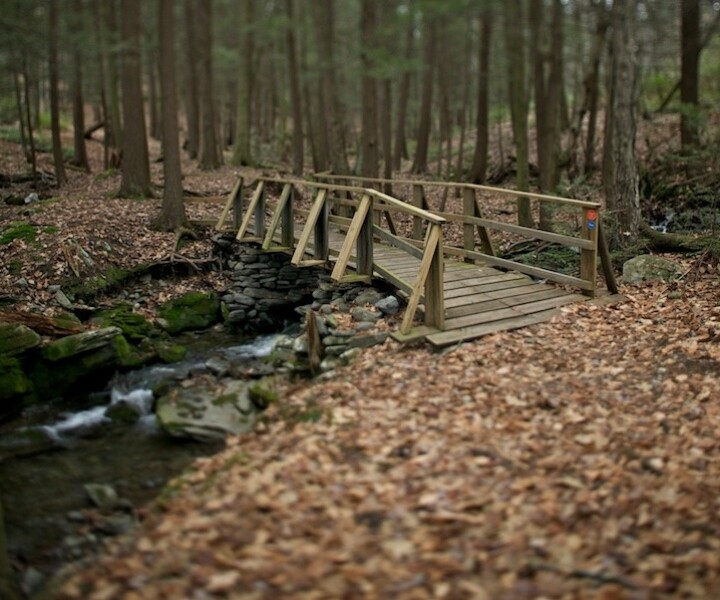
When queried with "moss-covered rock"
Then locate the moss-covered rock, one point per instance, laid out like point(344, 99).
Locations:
point(128, 356)
point(169, 352)
point(16, 339)
point(15, 387)
point(262, 394)
point(79, 343)
point(194, 310)
point(648, 267)
point(134, 327)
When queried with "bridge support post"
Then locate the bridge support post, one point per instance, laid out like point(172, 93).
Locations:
point(588, 257)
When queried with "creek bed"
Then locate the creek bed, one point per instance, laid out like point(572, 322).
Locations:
point(48, 516)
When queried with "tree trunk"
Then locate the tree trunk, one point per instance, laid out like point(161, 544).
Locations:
point(482, 135)
point(423, 136)
point(400, 150)
point(21, 116)
point(192, 103)
point(689, 84)
point(60, 176)
point(99, 36)
point(332, 116)
point(515, 48)
point(298, 139)
point(135, 163)
point(369, 131)
point(210, 157)
point(242, 153)
point(80, 158)
point(386, 133)
point(153, 97)
point(113, 91)
point(172, 215)
point(28, 119)
point(623, 198)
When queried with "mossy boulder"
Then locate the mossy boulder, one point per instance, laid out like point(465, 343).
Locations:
point(207, 412)
point(75, 360)
point(194, 310)
point(16, 339)
point(262, 394)
point(15, 387)
point(169, 352)
point(648, 267)
point(134, 327)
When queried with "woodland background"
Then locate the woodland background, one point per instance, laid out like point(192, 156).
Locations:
point(549, 94)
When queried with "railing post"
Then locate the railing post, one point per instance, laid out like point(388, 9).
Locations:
point(260, 215)
point(287, 222)
point(321, 245)
point(364, 246)
point(588, 257)
point(418, 201)
point(434, 287)
point(468, 228)
point(237, 208)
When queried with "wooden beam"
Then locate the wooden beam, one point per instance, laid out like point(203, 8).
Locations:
point(259, 190)
point(351, 238)
point(277, 216)
point(229, 204)
point(312, 219)
point(432, 239)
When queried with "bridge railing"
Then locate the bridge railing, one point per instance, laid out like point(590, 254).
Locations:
point(476, 228)
point(273, 223)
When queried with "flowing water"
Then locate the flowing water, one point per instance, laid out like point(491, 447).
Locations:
point(53, 450)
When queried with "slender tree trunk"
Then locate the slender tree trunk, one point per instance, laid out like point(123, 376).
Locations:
point(210, 157)
point(54, 94)
point(482, 135)
point(423, 136)
point(621, 177)
point(153, 99)
point(400, 150)
point(515, 48)
point(113, 92)
point(462, 113)
point(99, 36)
point(21, 116)
point(332, 117)
point(135, 162)
point(689, 83)
point(172, 215)
point(298, 139)
point(192, 106)
point(242, 153)
point(369, 132)
point(28, 119)
point(386, 133)
point(80, 158)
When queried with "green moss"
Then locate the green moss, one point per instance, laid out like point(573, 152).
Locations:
point(262, 395)
point(14, 267)
point(13, 381)
point(50, 229)
point(224, 399)
point(135, 327)
point(18, 230)
point(195, 310)
point(127, 356)
point(170, 353)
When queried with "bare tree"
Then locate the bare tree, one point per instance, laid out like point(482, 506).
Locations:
point(60, 176)
point(621, 175)
point(210, 156)
point(689, 80)
point(135, 162)
point(298, 141)
point(369, 131)
point(172, 215)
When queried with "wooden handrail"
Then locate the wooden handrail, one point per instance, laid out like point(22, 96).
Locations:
point(406, 208)
point(474, 186)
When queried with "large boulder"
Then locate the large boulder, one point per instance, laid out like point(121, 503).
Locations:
point(194, 310)
point(648, 267)
point(134, 327)
point(207, 411)
point(16, 339)
point(74, 360)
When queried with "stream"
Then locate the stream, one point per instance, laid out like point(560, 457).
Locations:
point(50, 452)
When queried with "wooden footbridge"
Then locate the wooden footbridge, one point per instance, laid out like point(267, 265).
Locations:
point(442, 261)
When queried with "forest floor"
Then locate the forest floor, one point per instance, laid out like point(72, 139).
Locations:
point(575, 459)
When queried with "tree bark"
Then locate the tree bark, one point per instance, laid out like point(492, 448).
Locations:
point(515, 48)
point(331, 117)
point(80, 157)
point(192, 106)
point(482, 135)
point(400, 149)
point(135, 162)
point(113, 91)
point(210, 156)
point(423, 136)
point(369, 131)
point(172, 215)
point(242, 153)
point(622, 193)
point(298, 139)
point(60, 176)
point(689, 82)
